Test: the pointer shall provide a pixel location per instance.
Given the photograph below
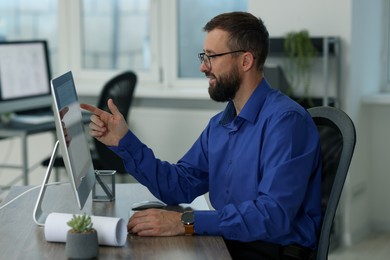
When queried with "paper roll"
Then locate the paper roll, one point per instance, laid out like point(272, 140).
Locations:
point(111, 231)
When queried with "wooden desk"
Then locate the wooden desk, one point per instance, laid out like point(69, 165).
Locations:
point(20, 238)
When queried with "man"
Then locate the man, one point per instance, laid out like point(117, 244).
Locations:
point(259, 158)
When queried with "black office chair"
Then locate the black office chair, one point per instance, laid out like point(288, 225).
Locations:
point(121, 90)
point(337, 138)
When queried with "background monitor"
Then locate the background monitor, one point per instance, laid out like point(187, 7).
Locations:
point(72, 139)
point(24, 76)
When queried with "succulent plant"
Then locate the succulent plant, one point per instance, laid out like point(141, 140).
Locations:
point(81, 223)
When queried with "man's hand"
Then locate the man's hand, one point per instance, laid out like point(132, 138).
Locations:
point(108, 128)
point(156, 222)
point(68, 137)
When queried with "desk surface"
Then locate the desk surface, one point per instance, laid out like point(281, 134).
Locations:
point(21, 238)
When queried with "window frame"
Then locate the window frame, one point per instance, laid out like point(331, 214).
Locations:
point(386, 47)
point(197, 85)
point(70, 48)
point(162, 81)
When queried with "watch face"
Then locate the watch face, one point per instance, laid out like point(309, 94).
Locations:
point(187, 218)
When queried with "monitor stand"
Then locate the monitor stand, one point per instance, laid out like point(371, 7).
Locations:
point(38, 214)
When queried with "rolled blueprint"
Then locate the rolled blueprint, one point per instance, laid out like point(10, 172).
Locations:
point(111, 231)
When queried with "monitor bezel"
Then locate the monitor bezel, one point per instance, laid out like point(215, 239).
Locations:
point(83, 191)
point(30, 102)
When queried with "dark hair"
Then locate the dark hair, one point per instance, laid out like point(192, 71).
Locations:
point(246, 33)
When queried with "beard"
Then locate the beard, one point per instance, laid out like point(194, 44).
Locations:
point(226, 86)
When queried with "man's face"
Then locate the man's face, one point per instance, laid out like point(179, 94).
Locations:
point(226, 85)
point(222, 71)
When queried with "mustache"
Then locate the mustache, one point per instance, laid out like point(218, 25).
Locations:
point(209, 75)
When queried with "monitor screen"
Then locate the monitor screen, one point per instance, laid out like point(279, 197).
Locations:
point(71, 135)
point(24, 76)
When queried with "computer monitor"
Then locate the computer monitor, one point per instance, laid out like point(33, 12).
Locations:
point(72, 142)
point(24, 76)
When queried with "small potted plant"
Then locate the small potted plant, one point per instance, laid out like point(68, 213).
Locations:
point(81, 240)
point(5, 118)
point(301, 51)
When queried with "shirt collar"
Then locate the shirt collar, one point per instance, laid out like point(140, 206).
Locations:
point(228, 114)
point(251, 108)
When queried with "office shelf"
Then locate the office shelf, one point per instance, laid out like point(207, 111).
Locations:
point(327, 48)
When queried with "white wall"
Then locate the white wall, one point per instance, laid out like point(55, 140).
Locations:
point(356, 192)
point(170, 132)
point(371, 167)
point(378, 172)
point(320, 18)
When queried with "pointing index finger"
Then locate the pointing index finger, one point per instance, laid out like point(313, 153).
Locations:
point(92, 109)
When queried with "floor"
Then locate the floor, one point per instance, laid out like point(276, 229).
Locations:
point(374, 247)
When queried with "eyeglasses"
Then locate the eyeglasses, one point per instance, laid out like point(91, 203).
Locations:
point(204, 58)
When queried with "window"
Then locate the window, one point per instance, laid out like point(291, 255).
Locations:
point(193, 15)
point(385, 47)
point(116, 35)
point(158, 39)
point(387, 44)
point(29, 20)
point(96, 39)
point(107, 37)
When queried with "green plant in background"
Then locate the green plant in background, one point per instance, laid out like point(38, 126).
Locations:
point(300, 51)
point(81, 224)
point(5, 118)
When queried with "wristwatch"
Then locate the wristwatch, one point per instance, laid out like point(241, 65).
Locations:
point(187, 218)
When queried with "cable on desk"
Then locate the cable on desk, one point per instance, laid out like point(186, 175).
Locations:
point(29, 190)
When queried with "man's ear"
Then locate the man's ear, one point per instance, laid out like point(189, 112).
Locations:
point(248, 61)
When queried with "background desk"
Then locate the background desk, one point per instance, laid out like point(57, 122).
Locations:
point(22, 131)
point(21, 238)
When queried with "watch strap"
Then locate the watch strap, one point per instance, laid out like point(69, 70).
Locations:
point(188, 221)
point(189, 229)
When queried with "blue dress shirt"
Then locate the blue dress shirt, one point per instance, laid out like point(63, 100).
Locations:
point(262, 169)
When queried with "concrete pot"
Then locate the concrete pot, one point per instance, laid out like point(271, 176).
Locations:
point(82, 245)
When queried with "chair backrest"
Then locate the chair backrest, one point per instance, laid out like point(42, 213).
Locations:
point(121, 90)
point(337, 138)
